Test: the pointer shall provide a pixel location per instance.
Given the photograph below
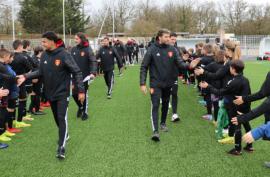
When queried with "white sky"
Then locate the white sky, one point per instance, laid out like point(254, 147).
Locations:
point(95, 5)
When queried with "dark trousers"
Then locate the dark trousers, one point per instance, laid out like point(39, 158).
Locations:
point(83, 107)
point(236, 130)
point(216, 108)
point(11, 115)
point(232, 112)
point(35, 99)
point(238, 135)
point(60, 110)
point(109, 79)
point(207, 99)
point(164, 94)
point(22, 103)
point(174, 97)
point(136, 56)
point(130, 57)
point(267, 117)
point(35, 103)
point(3, 120)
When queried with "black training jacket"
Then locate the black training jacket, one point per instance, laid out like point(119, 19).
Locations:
point(29, 59)
point(120, 49)
point(263, 92)
point(55, 69)
point(206, 60)
point(238, 86)
point(21, 64)
point(163, 62)
point(107, 55)
point(222, 74)
point(212, 68)
point(130, 48)
point(36, 63)
point(85, 59)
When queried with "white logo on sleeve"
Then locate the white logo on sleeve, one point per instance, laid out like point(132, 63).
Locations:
point(230, 82)
point(158, 54)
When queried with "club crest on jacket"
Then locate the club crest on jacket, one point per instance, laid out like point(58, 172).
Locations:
point(82, 54)
point(170, 54)
point(57, 62)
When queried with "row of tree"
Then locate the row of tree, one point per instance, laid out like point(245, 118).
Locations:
point(141, 18)
point(145, 17)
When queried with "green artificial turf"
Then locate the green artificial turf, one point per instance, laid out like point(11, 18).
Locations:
point(115, 141)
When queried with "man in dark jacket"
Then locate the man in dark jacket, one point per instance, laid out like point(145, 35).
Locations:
point(56, 67)
point(135, 51)
point(107, 54)
point(121, 51)
point(163, 62)
point(85, 59)
point(130, 51)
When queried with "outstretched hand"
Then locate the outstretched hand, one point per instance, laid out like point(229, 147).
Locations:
point(239, 100)
point(199, 71)
point(203, 85)
point(195, 62)
point(235, 120)
point(248, 138)
point(4, 92)
point(20, 79)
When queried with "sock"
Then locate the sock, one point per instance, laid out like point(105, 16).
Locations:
point(21, 110)
point(10, 118)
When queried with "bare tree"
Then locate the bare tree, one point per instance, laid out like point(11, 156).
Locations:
point(206, 17)
point(234, 13)
point(125, 12)
point(5, 19)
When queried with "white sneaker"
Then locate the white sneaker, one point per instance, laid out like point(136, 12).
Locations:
point(175, 118)
point(225, 131)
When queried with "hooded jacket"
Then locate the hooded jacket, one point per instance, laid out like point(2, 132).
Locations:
point(55, 69)
point(85, 59)
point(163, 62)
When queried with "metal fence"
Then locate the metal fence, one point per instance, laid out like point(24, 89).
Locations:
point(249, 43)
